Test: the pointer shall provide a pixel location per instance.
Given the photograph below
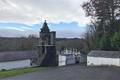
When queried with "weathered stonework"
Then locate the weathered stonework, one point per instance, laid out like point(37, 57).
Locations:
point(47, 48)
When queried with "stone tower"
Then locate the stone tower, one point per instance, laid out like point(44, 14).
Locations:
point(47, 48)
point(47, 37)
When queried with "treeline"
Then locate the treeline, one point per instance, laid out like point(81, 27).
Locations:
point(29, 43)
point(104, 31)
point(74, 43)
point(17, 44)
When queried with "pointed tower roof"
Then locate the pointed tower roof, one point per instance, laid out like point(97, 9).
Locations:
point(45, 27)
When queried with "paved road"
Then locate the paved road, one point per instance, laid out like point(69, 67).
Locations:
point(74, 72)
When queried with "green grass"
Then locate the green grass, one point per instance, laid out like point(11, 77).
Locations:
point(8, 73)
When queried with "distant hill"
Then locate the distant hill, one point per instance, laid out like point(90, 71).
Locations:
point(23, 43)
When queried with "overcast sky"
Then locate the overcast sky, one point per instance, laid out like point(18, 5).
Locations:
point(24, 17)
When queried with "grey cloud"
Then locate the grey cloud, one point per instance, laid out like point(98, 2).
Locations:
point(18, 33)
point(69, 34)
point(35, 10)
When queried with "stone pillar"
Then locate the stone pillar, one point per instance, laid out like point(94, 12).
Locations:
point(47, 55)
point(52, 37)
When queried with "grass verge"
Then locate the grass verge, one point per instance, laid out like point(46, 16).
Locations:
point(14, 72)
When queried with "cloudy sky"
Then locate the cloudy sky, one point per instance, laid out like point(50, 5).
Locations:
point(24, 17)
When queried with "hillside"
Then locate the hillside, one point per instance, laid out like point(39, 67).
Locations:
point(13, 44)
